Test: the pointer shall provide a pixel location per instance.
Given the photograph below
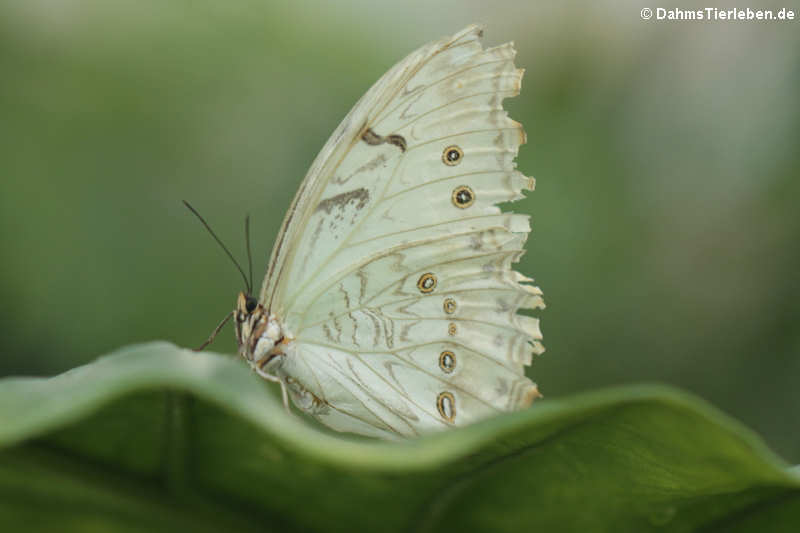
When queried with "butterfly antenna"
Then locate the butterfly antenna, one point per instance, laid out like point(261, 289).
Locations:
point(249, 255)
point(235, 262)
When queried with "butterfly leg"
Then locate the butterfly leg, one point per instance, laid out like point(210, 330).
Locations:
point(214, 333)
point(279, 381)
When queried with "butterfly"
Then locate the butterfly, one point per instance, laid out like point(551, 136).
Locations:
point(389, 306)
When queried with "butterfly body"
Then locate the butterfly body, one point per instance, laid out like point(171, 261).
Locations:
point(389, 307)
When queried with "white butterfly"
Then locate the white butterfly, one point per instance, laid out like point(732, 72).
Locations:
point(389, 307)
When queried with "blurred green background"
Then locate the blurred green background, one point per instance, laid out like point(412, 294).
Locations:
point(666, 223)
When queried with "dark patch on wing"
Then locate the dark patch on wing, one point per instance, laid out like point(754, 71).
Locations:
point(397, 140)
point(373, 139)
point(360, 196)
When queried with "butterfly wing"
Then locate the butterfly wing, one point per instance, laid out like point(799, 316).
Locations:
point(393, 270)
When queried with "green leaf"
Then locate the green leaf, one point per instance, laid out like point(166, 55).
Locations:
point(158, 438)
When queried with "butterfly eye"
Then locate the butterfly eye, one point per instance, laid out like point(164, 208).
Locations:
point(463, 197)
point(251, 304)
point(452, 155)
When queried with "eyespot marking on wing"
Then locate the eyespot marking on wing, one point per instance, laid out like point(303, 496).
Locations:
point(451, 329)
point(452, 155)
point(463, 197)
point(449, 306)
point(446, 404)
point(373, 139)
point(447, 361)
point(427, 282)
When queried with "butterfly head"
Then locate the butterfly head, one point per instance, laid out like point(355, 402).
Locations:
point(259, 335)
